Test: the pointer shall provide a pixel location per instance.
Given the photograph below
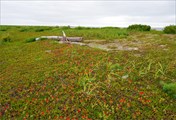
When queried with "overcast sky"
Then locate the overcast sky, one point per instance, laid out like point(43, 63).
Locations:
point(88, 13)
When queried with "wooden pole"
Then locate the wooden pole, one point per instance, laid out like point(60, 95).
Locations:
point(64, 36)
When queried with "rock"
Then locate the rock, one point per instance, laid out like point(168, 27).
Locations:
point(125, 77)
point(48, 51)
point(162, 46)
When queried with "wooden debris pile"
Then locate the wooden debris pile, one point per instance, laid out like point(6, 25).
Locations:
point(63, 38)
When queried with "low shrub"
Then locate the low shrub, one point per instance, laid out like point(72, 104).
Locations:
point(3, 28)
point(6, 39)
point(170, 29)
point(30, 40)
point(48, 28)
point(23, 30)
point(82, 28)
point(139, 27)
point(39, 30)
point(170, 89)
point(110, 28)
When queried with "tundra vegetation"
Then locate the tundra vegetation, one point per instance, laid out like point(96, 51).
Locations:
point(139, 27)
point(170, 29)
point(48, 80)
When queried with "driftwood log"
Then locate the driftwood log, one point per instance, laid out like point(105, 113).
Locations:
point(63, 38)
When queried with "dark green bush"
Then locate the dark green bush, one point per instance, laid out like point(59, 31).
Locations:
point(23, 30)
point(170, 29)
point(30, 40)
point(82, 28)
point(6, 39)
point(170, 89)
point(3, 28)
point(110, 28)
point(48, 28)
point(139, 27)
point(39, 30)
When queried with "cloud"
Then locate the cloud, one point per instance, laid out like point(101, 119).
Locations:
point(88, 13)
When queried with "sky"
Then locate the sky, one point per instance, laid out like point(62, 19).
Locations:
point(157, 13)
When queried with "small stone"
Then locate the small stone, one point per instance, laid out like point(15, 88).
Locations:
point(48, 51)
point(125, 77)
point(136, 49)
point(162, 46)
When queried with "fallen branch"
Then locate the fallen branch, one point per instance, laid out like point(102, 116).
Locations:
point(63, 38)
